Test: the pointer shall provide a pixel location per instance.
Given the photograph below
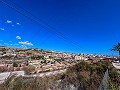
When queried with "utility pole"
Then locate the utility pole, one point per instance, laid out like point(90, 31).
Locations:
point(105, 83)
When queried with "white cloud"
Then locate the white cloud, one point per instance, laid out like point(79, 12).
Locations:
point(8, 21)
point(18, 37)
point(2, 29)
point(18, 23)
point(27, 43)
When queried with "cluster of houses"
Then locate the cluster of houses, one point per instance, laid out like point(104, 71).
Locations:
point(44, 60)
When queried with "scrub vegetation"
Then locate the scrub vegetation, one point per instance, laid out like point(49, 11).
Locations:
point(80, 76)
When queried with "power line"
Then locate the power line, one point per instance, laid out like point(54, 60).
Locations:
point(34, 20)
point(37, 18)
point(41, 23)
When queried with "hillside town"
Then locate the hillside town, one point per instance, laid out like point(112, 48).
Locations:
point(39, 60)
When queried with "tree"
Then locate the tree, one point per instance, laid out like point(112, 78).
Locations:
point(117, 48)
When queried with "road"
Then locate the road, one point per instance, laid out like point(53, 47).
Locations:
point(47, 73)
point(5, 75)
point(116, 65)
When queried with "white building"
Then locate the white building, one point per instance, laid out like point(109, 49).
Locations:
point(78, 57)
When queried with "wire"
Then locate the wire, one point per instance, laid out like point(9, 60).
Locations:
point(38, 21)
point(33, 19)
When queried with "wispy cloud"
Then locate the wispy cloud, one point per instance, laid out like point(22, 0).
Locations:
point(16, 44)
point(12, 25)
point(2, 29)
point(10, 41)
point(6, 44)
point(1, 40)
point(27, 43)
point(8, 21)
point(18, 37)
point(23, 46)
point(13, 44)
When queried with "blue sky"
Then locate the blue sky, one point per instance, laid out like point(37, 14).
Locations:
point(88, 26)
